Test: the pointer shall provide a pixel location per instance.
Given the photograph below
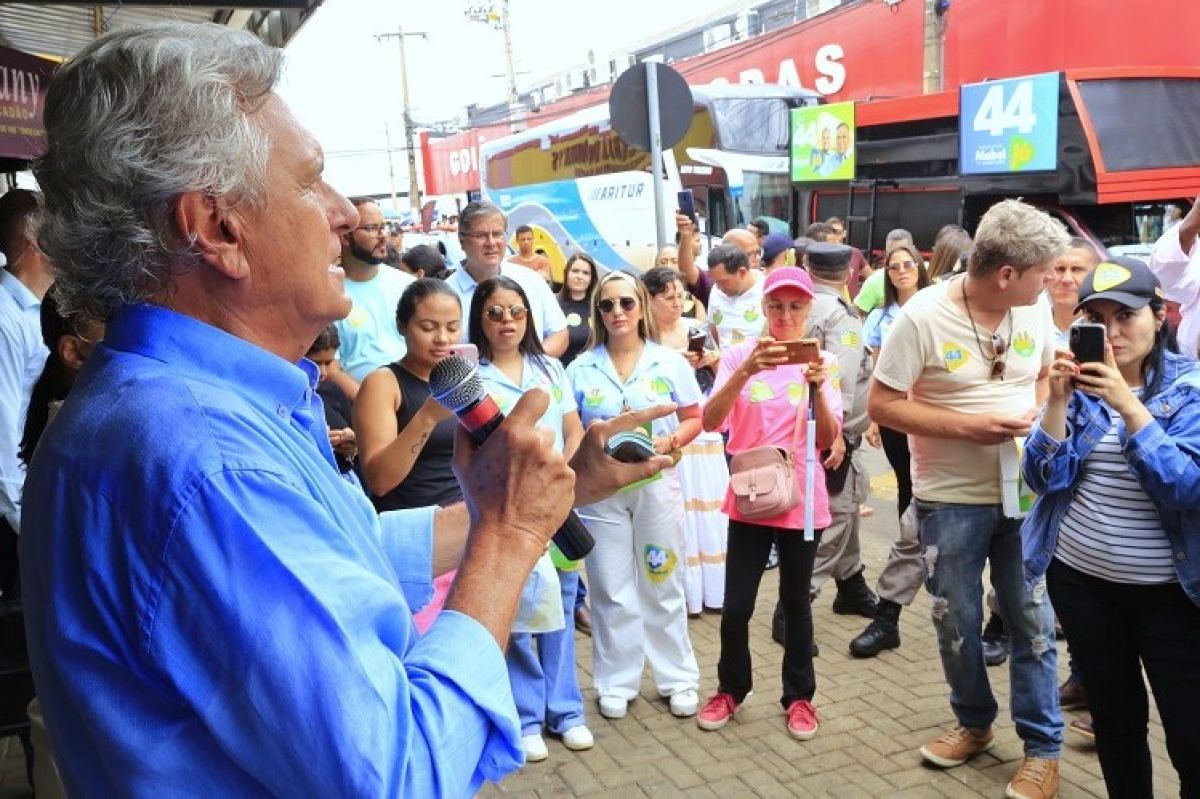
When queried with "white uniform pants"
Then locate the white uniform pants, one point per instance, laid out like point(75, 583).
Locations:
point(635, 577)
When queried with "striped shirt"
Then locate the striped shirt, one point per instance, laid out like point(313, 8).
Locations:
point(1111, 529)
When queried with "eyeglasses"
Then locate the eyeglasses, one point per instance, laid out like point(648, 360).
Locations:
point(487, 235)
point(999, 347)
point(627, 304)
point(496, 312)
point(372, 230)
point(902, 266)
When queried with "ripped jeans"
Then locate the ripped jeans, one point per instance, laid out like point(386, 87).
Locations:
point(959, 540)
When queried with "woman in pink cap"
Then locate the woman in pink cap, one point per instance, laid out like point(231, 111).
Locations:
point(761, 398)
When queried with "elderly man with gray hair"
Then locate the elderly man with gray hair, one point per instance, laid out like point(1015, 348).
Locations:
point(963, 372)
point(212, 609)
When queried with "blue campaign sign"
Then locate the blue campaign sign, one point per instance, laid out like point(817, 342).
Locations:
point(1009, 125)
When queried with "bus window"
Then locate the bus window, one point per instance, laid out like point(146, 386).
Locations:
point(752, 124)
point(718, 214)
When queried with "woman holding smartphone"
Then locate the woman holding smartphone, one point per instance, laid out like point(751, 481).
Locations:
point(1115, 461)
point(761, 398)
point(635, 571)
point(703, 472)
point(541, 654)
point(405, 438)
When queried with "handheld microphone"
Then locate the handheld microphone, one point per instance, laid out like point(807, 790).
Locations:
point(456, 385)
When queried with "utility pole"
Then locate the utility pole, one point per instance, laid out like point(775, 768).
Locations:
point(508, 56)
point(414, 190)
point(387, 138)
point(494, 14)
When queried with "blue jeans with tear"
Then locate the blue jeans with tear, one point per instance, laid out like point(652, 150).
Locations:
point(959, 540)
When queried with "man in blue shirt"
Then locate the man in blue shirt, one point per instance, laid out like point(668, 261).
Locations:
point(211, 609)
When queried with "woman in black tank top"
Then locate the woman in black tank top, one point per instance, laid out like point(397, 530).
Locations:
point(405, 438)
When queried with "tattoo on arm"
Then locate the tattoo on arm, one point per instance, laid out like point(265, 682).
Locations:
point(417, 447)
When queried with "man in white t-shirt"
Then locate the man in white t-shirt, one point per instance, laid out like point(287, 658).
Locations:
point(1175, 260)
point(963, 372)
point(735, 303)
point(369, 336)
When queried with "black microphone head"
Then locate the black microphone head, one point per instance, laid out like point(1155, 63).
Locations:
point(455, 383)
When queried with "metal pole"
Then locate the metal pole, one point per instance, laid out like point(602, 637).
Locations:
point(656, 154)
point(508, 55)
point(414, 191)
point(387, 137)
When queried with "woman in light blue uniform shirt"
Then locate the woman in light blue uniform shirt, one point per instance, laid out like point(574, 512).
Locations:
point(635, 573)
point(511, 362)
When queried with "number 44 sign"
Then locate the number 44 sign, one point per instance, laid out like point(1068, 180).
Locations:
point(1009, 125)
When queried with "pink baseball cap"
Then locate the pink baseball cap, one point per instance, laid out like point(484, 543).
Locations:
point(788, 276)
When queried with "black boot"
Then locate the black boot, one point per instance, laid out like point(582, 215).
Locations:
point(882, 633)
point(995, 641)
point(854, 598)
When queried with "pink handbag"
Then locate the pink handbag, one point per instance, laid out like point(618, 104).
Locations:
point(763, 479)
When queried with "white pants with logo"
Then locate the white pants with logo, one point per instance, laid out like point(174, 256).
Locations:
point(635, 577)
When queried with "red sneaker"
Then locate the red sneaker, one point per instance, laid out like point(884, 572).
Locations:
point(716, 712)
point(802, 720)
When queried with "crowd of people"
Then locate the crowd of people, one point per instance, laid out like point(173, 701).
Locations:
point(230, 582)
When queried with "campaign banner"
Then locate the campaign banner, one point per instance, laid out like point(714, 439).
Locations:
point(823, 143)
point(23, 81)
point(1009, 125)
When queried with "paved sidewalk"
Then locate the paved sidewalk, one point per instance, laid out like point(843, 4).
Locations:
point(874, 715)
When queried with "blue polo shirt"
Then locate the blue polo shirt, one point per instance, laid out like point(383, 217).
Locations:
point(212, 611)
point(553, 380)
point(660, 376)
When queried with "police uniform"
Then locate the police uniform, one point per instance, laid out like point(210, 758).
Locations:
point(635, 572)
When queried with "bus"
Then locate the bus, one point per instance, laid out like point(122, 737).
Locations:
point(1119, 157)
point(581, 187)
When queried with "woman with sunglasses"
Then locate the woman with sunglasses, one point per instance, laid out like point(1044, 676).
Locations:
point(575, 298)
point(405, 438)
point(1115, 461)
point(541, 649)
point(762, 399)
point(635, 571)
point(703, 472)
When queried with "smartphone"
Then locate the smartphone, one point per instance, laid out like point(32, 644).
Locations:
point(802, 350)
point(687, 204)
point(467, 351)
point(696, 339)
point(1087, 342)
point(631, 447)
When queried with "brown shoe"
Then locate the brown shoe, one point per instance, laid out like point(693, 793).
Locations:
point(583, 620)
point(1037, 778)
point(1071, 695)
point(957, 747)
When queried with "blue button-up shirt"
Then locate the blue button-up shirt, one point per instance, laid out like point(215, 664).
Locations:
point(660, 376)
point(22, 358)
point(212, 611)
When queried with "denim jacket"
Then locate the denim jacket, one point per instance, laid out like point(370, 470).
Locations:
point(1164, 457)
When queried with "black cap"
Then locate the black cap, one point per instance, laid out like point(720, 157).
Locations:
point(825, 257)
point(1123, 280)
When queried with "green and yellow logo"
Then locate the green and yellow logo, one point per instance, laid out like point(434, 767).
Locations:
point(955, 356)
point(1023, 344)
point(760, 391)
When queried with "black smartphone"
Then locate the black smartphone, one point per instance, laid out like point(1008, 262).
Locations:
point(687, 204)
point(632, 447)
point(696, 339)
point(1087, 342)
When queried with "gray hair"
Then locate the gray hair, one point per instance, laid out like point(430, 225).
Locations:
point(1016, 234)
point(135, 120)
point(474, 212)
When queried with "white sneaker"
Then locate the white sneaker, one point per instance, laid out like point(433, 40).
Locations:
point(685, 703)
point(613, 707)
point(578, 738)
point(535, 748)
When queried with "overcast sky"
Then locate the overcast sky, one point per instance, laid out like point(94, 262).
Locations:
point(345, 86)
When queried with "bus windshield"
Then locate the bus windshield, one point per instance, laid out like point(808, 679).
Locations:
point(752, 124)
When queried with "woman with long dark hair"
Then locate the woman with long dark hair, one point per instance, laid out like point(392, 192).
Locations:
point(1115, 461)
point(580, 276)
point(541, 650)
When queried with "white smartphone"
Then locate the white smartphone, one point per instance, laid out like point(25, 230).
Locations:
point(467, 351)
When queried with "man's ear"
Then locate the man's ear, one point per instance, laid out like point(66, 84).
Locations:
point(217, 235)
point(69, 352)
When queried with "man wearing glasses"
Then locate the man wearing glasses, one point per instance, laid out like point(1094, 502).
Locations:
point(963, 372)
point(370, 338)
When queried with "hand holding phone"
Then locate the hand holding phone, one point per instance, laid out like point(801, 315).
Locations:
point(696, 339)
point(687, 204)
point(630, 447)
point(802, 350)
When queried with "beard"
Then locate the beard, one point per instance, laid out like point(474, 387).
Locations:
point(367, 256)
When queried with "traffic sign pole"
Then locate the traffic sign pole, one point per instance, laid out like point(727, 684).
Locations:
point(656, 152)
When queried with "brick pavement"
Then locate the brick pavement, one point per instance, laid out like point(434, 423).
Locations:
point(875, 714)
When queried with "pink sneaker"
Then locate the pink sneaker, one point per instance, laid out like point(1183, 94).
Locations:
point(802, 720)
point(716, 712)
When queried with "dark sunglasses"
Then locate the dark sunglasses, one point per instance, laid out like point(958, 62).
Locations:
point(627, 304)
point(496, 312)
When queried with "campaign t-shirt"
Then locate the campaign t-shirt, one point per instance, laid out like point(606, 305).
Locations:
point(548, 375)
point(369, 336)
point(739, 318)
point(765, 412)
point(660, 376)
point(931, 352)
point(870, 295)
point(578, 316)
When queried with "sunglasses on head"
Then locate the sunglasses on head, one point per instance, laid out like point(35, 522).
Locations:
point(627, 304)
point(496, 312)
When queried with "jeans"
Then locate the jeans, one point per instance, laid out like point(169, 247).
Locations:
point(958, 541)
point(745, 560)
point(1117, 629)
point(545, 688)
